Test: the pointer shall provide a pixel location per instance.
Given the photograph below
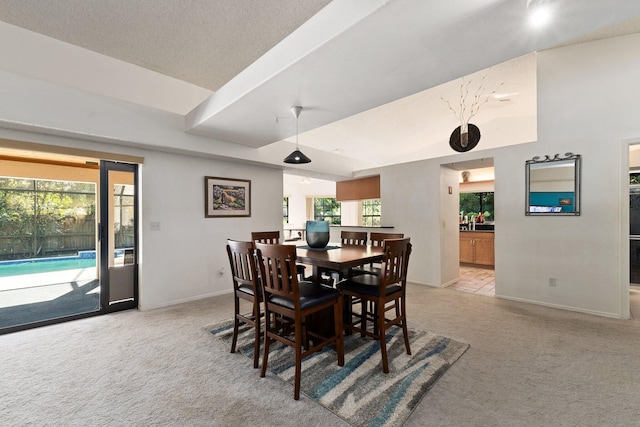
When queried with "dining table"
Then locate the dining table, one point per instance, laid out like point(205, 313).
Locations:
point(337, 258)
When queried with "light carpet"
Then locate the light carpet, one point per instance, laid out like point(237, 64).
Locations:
point(359, 392)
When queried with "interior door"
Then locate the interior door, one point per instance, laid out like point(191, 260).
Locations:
point(118, 236)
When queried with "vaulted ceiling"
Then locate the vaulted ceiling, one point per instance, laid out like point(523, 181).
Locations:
point(370, 74)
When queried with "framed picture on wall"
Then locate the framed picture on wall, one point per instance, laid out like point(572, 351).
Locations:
point(226, 197)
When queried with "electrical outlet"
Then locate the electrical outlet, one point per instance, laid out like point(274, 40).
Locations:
point(221, 272)
point(155, 226)
point(552, 282)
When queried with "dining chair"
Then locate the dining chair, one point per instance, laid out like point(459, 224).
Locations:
point(384, 293)
point(285, 296)
point(270, 237)
point(376, 239)
point(273, 238)
point(354, 238)
point(246, 286)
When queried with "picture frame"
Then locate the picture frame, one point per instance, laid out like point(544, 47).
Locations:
point(226, 197)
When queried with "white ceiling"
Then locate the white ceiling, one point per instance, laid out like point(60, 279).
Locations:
point(370, 74)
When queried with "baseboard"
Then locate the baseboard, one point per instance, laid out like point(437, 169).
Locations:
point(561, 307)
point(431, 285)
point(183, 300)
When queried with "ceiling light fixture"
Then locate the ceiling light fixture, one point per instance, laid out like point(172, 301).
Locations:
point(297, 157)
point(540, 12)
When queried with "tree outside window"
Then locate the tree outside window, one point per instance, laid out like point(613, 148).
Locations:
point(285, 210)
point(472, 203)
point(371, 212)
point(40, 218)
point(327, 209)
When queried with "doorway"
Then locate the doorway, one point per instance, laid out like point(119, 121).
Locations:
point(477, 222)
point(633, 186)
point(118, 236)
point(70, 250)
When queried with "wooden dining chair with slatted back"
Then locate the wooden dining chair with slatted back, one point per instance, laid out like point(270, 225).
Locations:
point(377, 239)
point(246, 286)
point(273, 238)
point(285, 296)
point(354, 238)
point(386, 293)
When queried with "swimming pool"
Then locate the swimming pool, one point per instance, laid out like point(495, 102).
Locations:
point(44, 265)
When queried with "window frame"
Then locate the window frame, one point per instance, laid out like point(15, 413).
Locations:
point(332, 218)
point(369, 219)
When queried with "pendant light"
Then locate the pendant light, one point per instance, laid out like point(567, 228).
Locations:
point(297, 157)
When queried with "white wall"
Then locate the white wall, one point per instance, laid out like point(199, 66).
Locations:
point(587, 104)
point(181, 261)
point(410, 195)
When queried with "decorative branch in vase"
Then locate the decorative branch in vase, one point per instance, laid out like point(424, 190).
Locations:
point(466, 136)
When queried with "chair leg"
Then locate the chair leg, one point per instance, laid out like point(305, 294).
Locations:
point(382, 333)
point(347, 313)
point(339, 330)
point(296, 384)
point(363, 318)
point(236, 323)
point(404, 325)
point(267, 342)
point(374, 309)
point(256, 335)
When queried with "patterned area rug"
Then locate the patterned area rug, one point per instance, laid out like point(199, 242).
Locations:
point(359, 392)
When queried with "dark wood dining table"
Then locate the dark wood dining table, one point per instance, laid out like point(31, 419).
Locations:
point(337, 259)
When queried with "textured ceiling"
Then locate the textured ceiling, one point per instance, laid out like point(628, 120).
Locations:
point(385, 95)
point(203, 42)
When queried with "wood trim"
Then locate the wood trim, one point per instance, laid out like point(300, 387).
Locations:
point(55, 149)
point(50, 162)
point(358, 189)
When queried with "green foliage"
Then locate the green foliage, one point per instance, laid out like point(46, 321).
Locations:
point(472, 203)
point(327, 209)
point(371, 212)
point(32, 209)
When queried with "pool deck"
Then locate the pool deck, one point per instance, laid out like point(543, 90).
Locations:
point(32, 288)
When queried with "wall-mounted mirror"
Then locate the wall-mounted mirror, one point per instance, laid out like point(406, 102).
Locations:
point(553, 185)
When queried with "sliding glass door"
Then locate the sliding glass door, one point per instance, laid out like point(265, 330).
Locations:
point(68, 239)
point(47, 248)
point(118, 233)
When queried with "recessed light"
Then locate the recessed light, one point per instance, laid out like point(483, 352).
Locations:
point(540, 12)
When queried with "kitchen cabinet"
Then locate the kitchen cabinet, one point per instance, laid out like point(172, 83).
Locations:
point(477, 247)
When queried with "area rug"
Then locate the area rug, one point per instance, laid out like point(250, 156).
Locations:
point(359, 392)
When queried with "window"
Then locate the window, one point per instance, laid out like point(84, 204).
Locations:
point(44, 218)
point(326, 209)
point(472, 203)
point(371, 212)
point(285, 210)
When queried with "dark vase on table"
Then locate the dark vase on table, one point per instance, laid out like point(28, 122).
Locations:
point(317, 234)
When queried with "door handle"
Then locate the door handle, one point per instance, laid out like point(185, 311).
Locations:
point(101, 232)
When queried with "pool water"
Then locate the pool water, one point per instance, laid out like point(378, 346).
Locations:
point(44, 266)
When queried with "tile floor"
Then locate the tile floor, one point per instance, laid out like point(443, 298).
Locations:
point(475, 280)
